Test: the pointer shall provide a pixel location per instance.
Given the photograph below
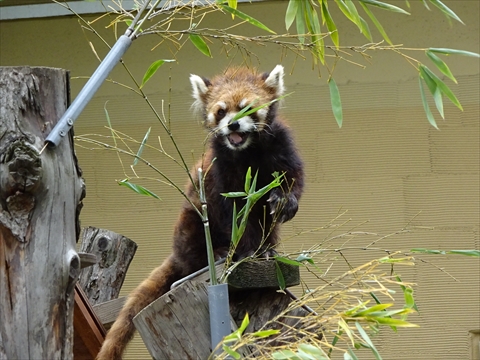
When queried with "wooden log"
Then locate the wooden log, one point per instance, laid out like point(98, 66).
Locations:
point(40, 201)
point(176, 325)
point(102, 281)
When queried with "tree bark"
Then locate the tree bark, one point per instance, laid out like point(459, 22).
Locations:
point(40, 201)
point(102, 282)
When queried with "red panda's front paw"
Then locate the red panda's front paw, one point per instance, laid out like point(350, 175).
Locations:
point(283, 207)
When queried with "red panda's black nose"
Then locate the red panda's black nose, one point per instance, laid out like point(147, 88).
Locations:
point(234, 126)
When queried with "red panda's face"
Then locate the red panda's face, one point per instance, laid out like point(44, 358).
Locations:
point(221, 99)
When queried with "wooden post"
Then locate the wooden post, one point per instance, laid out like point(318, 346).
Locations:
point(40, 200)
point(102, 282)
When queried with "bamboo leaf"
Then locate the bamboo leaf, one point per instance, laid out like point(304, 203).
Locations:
point(266, 333)
point(291, 13)
point(246, 17)
point(200, 44)
point(110, 124)
point(447, 51)
point(300, 22)
point(312, 352)
point(137, 188)
point(377, 24)
point(385, 6)
point(446, 10)
point(343, 7)
point(441, 65)
point(427, 251)
point(152, 69)
point(475, 253)
point(429, 114)
point(395, 322)
point(367, 339)
point(231, 352)
point(358, 20)
point(234, 194)
point(142, 145)
point(280, 277)
point(372, 309)
point(344, 326)
point(437, 97)
point(443, 87)
point(285, 354)
point(336, 102)
point(332, 28)
point(350, 355)
point(425, 4)
point(244, 324)
point(288, 261)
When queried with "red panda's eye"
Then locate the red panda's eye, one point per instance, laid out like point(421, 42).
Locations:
point(220, 113)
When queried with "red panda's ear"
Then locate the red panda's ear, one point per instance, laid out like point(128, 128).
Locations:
point(199, 87)
point(274, 80)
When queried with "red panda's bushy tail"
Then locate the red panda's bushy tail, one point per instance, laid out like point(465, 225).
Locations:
point(122, 330)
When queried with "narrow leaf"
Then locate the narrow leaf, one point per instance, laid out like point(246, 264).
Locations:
point(443, 87)
point(291, 13)
point(377, 24)
point(425, 4)
point(385, 6)
point(336, 102)
point(300, 22)
point(350, 355)
point(152, 70)
point(454, 52)
point(304, 257)
point(287, 261)
point(429, 114)
point(367, 339)
point(437, 96)
point(475, 253)
point(313, 352)
point(427, 251)
point(244, 324)
point(446, 10)
point(234, 194)
point(357, 19)
point(231, 352)
point(441, 65)
point(246, 17)
point(142, 145)
point(395, 322)
point(280, 277)
point(137, 188)
point(266, 333)
point(343, 7)
point(285, 354)
point(110, 124)
point(200, 44)
point(332, 28)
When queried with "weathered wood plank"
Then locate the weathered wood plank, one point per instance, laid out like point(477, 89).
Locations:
point(40, 200)
point(89, 331)
point(108, 311)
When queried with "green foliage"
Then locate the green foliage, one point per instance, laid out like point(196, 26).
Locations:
point(138, 188)
point(152, 69)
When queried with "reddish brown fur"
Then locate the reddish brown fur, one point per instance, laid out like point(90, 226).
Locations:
point(271, 149)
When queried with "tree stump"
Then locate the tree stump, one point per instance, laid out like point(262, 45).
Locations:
point(176, 325)
point(40, 200)
point(102, 282)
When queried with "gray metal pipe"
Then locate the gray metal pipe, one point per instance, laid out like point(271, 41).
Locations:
point(88, 91)
point(220, 323)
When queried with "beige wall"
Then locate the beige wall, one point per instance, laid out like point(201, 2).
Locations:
point(386, 166)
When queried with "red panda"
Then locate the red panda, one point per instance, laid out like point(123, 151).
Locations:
point(260, 141)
